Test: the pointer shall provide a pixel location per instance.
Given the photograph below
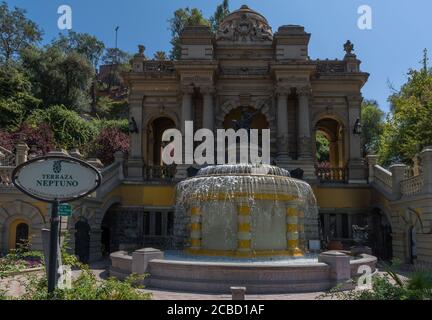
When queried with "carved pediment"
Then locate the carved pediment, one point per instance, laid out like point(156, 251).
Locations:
point(244, 25)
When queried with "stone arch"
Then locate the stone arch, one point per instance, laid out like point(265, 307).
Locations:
point(147, 134)
point(267, 110)
point(333, 126)
point(23, 211)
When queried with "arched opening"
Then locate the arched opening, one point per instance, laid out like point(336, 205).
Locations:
point(412, 244)
point(157, 128)
point(108, 232)
point(246, 118)
point(18, 234)
point(330, 150)
point(380, 237)
point(82, 240)
point(21, 234)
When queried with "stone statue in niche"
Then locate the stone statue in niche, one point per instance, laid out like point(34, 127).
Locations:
point(245, 121)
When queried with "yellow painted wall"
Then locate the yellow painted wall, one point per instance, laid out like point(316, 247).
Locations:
point(343, 197)
point(134, 195)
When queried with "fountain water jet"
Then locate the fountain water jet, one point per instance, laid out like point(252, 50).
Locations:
point(247, 210)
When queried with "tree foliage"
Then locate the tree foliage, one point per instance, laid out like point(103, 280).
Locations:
point(16, 32)
point(322, 148)
point(16, 98)
point(408, 127)
point(83, 43)
point(58, 77)
point(183, 18)
point(372, 126)
point(221, 12)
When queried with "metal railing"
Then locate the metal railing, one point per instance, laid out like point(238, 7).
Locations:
point(159, 173)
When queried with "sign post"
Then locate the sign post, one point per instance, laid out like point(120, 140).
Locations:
point(57, 180)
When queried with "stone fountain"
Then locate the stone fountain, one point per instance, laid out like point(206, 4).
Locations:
point(246, 210)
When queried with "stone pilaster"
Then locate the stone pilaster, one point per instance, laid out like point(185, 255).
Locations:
point(135, 160)
point(244, 237)
point(208, 108)
point(282, 127)
point(21, 153)
point(372, 160)
point(398, 174)
point(186, 115)
point(426, 156)
point(292, 225)
point(195, 228)
point(304, 132)
point(356, 165)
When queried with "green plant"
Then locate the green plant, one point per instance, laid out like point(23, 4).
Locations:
point(86, 287)
point(390, 286)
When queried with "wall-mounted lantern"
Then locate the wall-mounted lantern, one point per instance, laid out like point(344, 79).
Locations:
point(357, 127)
point(133, 128)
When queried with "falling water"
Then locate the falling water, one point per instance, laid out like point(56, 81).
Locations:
point(218, 190)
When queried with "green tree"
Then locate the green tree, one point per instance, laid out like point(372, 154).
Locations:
point(16, 32)
point(408, 128)
point(373, 125)
point(119, 62)
point(16, 98)
point(58, 77)
point(183, 18)
point(83, 43)
point(221, 12)
point(88, 46)
point(322, 148)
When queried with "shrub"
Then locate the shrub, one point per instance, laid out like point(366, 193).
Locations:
point(69, 128)
point(86, 287)
point(40, 136)
point(6, 140)
point(109, 141)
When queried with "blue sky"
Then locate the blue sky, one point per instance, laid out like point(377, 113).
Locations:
point(401, 29)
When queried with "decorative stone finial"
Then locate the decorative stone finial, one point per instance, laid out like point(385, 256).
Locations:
point(349, 48)
point(141, 50)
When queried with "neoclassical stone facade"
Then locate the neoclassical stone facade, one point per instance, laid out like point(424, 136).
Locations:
point(244, 68)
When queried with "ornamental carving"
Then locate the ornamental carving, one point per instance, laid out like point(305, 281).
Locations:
point(246, 28)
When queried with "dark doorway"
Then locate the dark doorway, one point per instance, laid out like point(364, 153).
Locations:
point(21, 235)
point(82, 241)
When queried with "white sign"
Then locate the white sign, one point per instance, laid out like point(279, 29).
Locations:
point(56, 178)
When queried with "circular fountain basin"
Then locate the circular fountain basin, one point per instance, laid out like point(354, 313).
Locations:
point(180, 272)
point(245, 210)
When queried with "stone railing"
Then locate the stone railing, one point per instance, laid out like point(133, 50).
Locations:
point(112, 175)
point(7, 158)
point(411, 186)
point(398, 181)
point(159, 173)
point(383, 178)
point(6, 176)
point(155, 66)
point(332, 175)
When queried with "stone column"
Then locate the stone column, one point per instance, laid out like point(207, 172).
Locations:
point(244, 243)
point(135, 161)
point(304, 133)
point(282, 126)
point(208, 108)
point(195, 229)
point(356, 166)
point(426, 158)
